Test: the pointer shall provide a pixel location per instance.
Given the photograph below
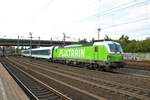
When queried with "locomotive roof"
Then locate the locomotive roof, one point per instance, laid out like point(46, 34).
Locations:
point(78, 45)
point(105, 42)
point(74, 45)
point(90, 44)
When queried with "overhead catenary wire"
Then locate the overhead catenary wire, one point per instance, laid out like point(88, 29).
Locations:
point(38, 12)
point(108, 9)
point(129, 22)
point(121, 7)
point(126, 23)
point(115, 9)
point(128, 6)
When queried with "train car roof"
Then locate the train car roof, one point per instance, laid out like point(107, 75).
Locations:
point(101, 42)
point(43, 48)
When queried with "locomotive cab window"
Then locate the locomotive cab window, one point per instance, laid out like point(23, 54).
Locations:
point(115, 48)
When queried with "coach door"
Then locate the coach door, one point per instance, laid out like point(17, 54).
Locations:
point(96, 49)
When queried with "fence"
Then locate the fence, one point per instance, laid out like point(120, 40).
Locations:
point(137, 56)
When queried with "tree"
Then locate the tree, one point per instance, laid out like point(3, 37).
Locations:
point(124, 40)
point(93, 39)
point(83, 41)
point(133, 45)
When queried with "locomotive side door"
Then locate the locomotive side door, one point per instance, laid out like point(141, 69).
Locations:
point(96, 52)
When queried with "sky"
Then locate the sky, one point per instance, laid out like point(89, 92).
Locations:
point(76, 18)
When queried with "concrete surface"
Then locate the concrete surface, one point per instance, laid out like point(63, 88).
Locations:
point(9, 89)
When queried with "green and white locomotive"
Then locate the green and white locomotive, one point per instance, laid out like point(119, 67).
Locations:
point(102, 55)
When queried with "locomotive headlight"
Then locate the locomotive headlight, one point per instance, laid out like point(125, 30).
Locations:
point(108, 58)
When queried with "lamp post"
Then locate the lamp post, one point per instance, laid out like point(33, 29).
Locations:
point(39, 41)
point(3, 48)
point(18, 46)
point(64, 38)
point(51, 41)
point(30, 33)
point(99, 29)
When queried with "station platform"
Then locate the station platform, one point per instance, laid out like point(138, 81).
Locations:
point(9, 89)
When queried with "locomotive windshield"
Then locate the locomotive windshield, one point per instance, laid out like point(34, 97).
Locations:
point(115, 48)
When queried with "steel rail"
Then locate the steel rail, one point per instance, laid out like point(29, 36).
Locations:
point(64, 97)
point(63, 83)
point(95, 84)
point(81, 75)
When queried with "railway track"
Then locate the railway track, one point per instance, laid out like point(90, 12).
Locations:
point(134, 72)
point(34, 88)
point(75, 93)
point(114, 89)
point(143, 65)
point(126, 76)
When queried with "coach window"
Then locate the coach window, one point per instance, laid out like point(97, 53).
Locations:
point(49, 52)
